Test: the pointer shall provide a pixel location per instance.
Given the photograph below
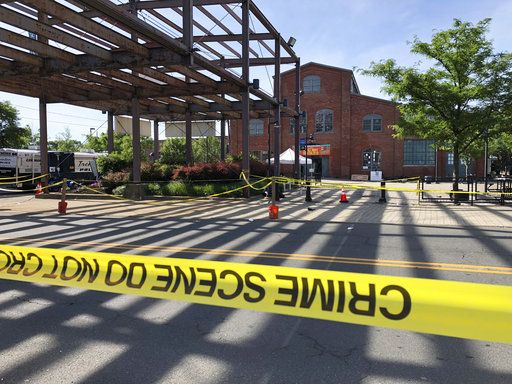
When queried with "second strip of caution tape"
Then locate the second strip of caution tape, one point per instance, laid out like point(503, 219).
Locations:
point(466, 310)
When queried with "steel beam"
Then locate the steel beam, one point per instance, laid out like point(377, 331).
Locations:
point(66, 15)
point(178, 3)
point(38, 46)
point(64, 62)
point(232, 37)
point(41, 29)
point(20, 56)
point(253, 62)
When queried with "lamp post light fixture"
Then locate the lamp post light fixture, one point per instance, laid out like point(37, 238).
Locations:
point(291, 41)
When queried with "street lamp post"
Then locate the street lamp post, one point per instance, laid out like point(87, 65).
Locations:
point(486, 157)
point(308, 198)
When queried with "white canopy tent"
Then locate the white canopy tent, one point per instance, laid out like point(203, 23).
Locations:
point(288, 157)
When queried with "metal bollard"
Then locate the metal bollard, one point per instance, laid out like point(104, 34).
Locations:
point(382, 192)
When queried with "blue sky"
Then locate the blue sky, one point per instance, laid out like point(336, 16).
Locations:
point(341, 33)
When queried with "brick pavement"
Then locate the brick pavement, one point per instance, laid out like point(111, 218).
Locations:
point(401, 208)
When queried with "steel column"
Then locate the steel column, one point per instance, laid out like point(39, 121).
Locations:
point(277, 113)
point(245, 92)
point(297, 120)
point(110, 132)
point(136, 139)
point(188, 25)
point(43, 141)
point(188, 137)
point(156, 141)
point(223, 139)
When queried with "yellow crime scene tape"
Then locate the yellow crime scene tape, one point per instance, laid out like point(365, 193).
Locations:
point(321, 185)
point(14, 180)
point(466, 310)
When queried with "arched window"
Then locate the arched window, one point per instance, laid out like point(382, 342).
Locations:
point(256, 127)
point(372, 123)
point(311, 84)
point(323, 120)
point(371, 160)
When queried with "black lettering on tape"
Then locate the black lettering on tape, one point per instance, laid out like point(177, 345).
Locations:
point(293, 292)
point(406, 308)
point(188, 284)
point(370, 299)
point(327, 299)
point(211, 282)
point(52, 274)
point(31, 256)
point(132, 272)
point(239, 285)
point(7, 262)
point(87, 268)
point(110, 268)
point(67, 262)
point(255, 287)
point(20, 263)
point(341, 297)
point(167, 278)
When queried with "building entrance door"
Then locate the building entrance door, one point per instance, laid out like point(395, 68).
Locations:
point(321, 166)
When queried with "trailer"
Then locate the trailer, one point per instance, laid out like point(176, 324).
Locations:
point(23, 165)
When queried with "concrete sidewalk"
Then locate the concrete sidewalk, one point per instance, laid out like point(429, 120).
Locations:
point(401, 208)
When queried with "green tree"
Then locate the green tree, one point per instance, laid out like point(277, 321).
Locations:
point(173, 151)
point(64, 142)
point(99, 143)
point(501, 148)
point(461, 97)
point(12, 135)
point(122, 156)
point(206, 149)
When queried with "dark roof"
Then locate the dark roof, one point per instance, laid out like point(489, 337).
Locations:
point(313, 64)
point(374, 98)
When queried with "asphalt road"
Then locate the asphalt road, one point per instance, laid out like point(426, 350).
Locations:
point(63, 335)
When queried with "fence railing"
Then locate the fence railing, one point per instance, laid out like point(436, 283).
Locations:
point(471, 190)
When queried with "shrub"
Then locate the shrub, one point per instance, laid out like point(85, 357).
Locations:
point(207, 171)
point(154, 189)
point(119, 191)
point(258, 168)
point(113, 162)
point(175, 188)
point(203, 189)
point(166, 171)
point(155, 172)
point(114, 179)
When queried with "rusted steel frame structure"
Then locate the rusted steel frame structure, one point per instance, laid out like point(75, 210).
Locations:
point(140, 58)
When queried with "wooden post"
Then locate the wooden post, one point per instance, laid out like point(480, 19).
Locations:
point(63, 190)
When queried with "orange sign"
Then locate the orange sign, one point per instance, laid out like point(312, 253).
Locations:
point(317, 150)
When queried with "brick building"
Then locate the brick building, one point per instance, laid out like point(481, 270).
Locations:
point(351, 132)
